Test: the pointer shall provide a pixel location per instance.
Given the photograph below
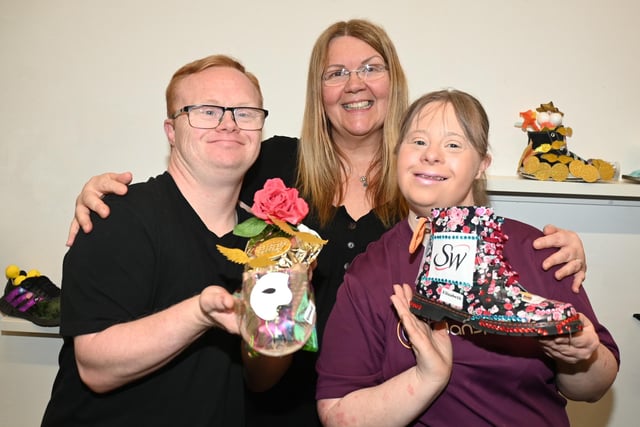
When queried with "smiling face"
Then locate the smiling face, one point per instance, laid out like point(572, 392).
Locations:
point(437, 164)
point(225, 150)
point(356, 108)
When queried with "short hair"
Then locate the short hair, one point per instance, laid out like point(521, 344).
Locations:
point(319, 162)
point(472, 118)
point(201, 65)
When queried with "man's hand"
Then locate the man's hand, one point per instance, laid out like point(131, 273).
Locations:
point(90, 199)
point(570, 253)
point(219, 309)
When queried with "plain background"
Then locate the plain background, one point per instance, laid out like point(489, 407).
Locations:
point(82, 85)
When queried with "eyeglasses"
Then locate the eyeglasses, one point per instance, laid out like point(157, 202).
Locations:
point(367, 72)
point(210, 116)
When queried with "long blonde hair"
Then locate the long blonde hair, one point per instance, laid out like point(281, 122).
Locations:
point(319, 166)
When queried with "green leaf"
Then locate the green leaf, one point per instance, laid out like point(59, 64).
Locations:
point(249, 228)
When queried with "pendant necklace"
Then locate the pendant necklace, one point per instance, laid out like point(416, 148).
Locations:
point(364, 180)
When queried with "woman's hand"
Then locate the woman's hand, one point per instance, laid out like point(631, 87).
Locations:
point(90, 199)
point(570, 253)
point(431, 344)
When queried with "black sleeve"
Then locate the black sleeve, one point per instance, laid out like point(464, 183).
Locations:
point(107, 274)
point(277, 159)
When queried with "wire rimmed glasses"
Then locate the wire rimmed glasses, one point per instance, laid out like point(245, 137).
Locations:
point(204, 116)
point(366, 72)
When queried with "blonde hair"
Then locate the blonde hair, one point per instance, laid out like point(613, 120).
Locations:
point(201, 65)
point(473, 120)
point(319, 165)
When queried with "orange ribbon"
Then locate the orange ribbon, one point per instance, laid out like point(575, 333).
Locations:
point(418, 234)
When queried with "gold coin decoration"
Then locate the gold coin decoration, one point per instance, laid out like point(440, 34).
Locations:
point(544, 148)
point(560, 167)
point(575, 167)
point(559, 172)
point(606, 169)
point(590, 173)
point(531, 165)
point(564, 159)
point(544, 172)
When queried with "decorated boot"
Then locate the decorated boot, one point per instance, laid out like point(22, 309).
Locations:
point(31, 296)
point(465, 278)
point(547, 157)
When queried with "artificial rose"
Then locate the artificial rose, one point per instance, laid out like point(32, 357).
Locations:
point(277, 201)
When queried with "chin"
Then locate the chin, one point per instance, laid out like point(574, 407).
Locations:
point(421, 209)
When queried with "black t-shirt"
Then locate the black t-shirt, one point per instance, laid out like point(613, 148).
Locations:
point(151, 252)
point(292, 401)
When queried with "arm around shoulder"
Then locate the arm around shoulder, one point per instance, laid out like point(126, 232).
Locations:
point(586, 368)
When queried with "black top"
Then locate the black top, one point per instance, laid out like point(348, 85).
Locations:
point(151, 252)
point(292, 401)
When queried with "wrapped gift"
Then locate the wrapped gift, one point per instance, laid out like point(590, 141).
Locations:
point(277, 304)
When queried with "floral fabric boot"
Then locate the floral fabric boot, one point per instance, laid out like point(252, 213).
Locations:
point(465, 278)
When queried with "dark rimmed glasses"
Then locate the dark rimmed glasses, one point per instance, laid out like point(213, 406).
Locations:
point(210, 116)
point(366, 72)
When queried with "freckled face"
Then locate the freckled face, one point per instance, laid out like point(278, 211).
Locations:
point(357, 108)
point(436, 163)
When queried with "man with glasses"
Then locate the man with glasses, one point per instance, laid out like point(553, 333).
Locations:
point(210, 116)
point(150, 332)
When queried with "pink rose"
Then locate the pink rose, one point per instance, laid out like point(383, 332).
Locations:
point(278, 201)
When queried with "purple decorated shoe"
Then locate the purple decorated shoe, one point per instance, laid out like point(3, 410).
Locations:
point(32, 297)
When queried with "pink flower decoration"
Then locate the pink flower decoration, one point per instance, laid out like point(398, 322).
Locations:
point(276, 200)
point(456, 218)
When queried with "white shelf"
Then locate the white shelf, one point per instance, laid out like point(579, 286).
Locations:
point(16, 326)
point(602, 190)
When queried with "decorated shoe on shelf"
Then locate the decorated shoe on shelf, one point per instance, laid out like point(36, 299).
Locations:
point(475, 285)
point(31, 296)
point(546, 156)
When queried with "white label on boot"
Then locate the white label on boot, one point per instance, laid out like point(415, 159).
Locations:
point(532, 298)
point(451, 298)
point(453, 257)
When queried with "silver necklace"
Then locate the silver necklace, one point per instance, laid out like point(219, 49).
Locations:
point(364, 180)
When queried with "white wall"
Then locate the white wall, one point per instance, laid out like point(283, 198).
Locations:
point(82, 83)
point(610, 233)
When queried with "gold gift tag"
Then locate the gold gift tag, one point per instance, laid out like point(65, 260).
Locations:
point(273, 248)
